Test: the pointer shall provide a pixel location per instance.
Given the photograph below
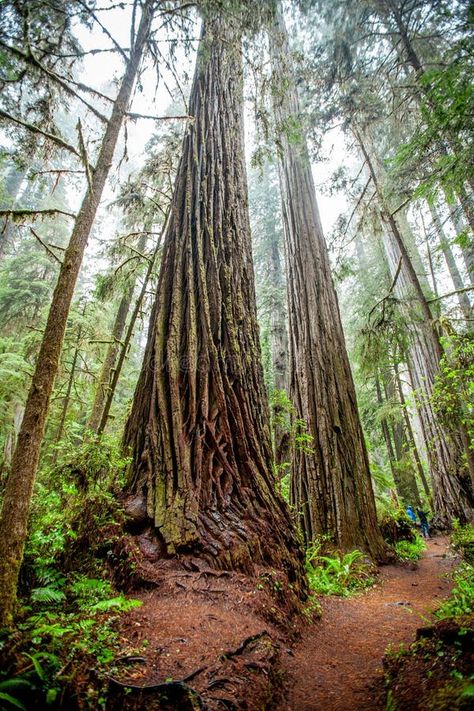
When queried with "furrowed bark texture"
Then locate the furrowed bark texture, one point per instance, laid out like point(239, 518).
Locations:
point(19, 488)
point(198, 431)
point(331, 485)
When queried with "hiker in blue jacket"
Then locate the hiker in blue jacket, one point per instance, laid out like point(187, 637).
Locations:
point(411, 514)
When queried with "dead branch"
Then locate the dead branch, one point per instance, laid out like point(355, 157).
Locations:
point(47, 248)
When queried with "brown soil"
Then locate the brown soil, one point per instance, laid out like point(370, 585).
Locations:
point(217, 635)
point(337, 664)
point(223, 640)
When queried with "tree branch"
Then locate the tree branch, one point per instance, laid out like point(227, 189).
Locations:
point(35, 129)
point(451, 293)
point(23, 214)
point(49, 251)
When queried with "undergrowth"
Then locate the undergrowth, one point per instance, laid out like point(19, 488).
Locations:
point(66, 626)
point(410, 550)
point(338, 574)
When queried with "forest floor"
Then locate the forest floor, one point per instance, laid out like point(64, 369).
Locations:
point(337, 665)
point(222, 639)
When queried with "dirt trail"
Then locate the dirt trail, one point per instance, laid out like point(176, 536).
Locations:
point(336, 666)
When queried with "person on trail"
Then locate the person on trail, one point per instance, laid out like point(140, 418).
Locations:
point(424, 525)
point(411, 514)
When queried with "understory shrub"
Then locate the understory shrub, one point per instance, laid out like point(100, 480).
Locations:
point(338, 574)
point(396, 526)
point(410, 550)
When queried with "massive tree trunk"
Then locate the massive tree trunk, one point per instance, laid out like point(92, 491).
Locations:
point(199, 427)
point(19, 489)
point(331, 485)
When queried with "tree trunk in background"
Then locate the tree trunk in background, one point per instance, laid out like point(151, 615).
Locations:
point(404, 475)
point(411, 435)
point(113, 350)
point(13, 184)
point(199, 427)
point(70, 383)
point(19, 489)
point(331, 485)
point(463, 299)
point(452, 489)
point(451, 141)
point(280, 356)
point(125, 345)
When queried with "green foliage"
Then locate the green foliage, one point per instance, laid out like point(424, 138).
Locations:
point(462, 540)
point(339, 574)
point(396, 526)
point(72, 622)
point(410, 550)
point(453, 394)
point(461, 600)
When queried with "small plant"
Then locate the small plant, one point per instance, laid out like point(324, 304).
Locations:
point(340, 574)
point(462, 540)
point(461, 600)
point(410, 550)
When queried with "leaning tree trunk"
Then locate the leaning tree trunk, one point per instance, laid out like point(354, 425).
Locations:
point(19, 489)
point(453, 495)
point(463, 299)
point(331, 484)
point(198, 431)
point(452, 490)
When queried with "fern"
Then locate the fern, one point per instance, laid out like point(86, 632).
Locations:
point(120, 603)
point(47, 594)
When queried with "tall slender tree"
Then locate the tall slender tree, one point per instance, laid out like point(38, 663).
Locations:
point(19, 488)
point(199, 427)
point(331, 484)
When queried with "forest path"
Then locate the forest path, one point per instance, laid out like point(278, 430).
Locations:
point(337, 664)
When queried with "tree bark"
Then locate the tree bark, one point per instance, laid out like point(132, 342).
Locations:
point(331, 485)
point(19, 488)
point(199, 426)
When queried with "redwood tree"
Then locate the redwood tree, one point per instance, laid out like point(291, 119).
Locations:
point(331, 485)
point(198, 431)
